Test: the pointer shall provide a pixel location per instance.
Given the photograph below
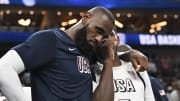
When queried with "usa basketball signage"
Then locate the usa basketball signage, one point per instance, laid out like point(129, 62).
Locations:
point(148, 39)
point(159, 40)
point(131, 39)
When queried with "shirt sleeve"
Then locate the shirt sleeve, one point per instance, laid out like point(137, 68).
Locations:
point(158, 89)
point(37, 50)
point(148, 93)
point(13, 60)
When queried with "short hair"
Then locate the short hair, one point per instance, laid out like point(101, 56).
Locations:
point(103, 11)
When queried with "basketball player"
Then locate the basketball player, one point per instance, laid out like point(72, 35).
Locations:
point(60, 62)
point(129, 85)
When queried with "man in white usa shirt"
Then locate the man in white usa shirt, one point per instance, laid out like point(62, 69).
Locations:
point(129, 84)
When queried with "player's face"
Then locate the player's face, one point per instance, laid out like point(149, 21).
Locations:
point(101, 52)
point(98, 29)
point(81, 41)
point(94, 31)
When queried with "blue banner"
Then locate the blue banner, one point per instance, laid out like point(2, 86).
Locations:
point(131, 39)
point(13, 37)
point(148, 39)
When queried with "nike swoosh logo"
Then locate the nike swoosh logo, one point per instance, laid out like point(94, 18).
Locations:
point(72, 49)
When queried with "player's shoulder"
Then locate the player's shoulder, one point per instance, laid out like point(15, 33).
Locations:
point(43, 35)
point(155, 81)
point(48, 32)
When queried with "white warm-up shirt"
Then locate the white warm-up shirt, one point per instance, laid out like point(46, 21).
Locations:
point(128, 86)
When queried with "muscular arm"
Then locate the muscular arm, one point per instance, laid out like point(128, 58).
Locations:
point(10, 65)
point(105, 89)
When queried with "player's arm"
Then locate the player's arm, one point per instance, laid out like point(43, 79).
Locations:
point(137, 58)
point(10, 65)
point(21, 57)
point(105, 89)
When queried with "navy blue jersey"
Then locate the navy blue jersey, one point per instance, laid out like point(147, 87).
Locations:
point(58, 71)
point(158, 90)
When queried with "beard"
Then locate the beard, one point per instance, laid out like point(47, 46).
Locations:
point(82, 44)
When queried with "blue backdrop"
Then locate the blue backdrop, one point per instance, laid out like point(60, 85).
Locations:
point(91, 3)
point(131, 39)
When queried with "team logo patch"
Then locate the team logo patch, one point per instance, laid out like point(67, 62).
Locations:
point(125, 85)
point(83, 65)
point(162, 92)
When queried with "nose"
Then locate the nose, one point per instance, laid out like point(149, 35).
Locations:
point(98, 38)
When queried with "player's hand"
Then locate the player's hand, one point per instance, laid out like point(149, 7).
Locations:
point(106, 50)
point(139, 60)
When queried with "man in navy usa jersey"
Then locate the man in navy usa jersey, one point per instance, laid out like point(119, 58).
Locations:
point(60, 61)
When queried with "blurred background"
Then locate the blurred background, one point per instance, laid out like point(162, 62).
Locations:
point(151, 26)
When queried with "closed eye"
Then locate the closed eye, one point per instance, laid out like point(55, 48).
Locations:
point(100, 30)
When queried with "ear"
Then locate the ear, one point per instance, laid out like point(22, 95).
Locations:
point(85, 17)
point(118, 38)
